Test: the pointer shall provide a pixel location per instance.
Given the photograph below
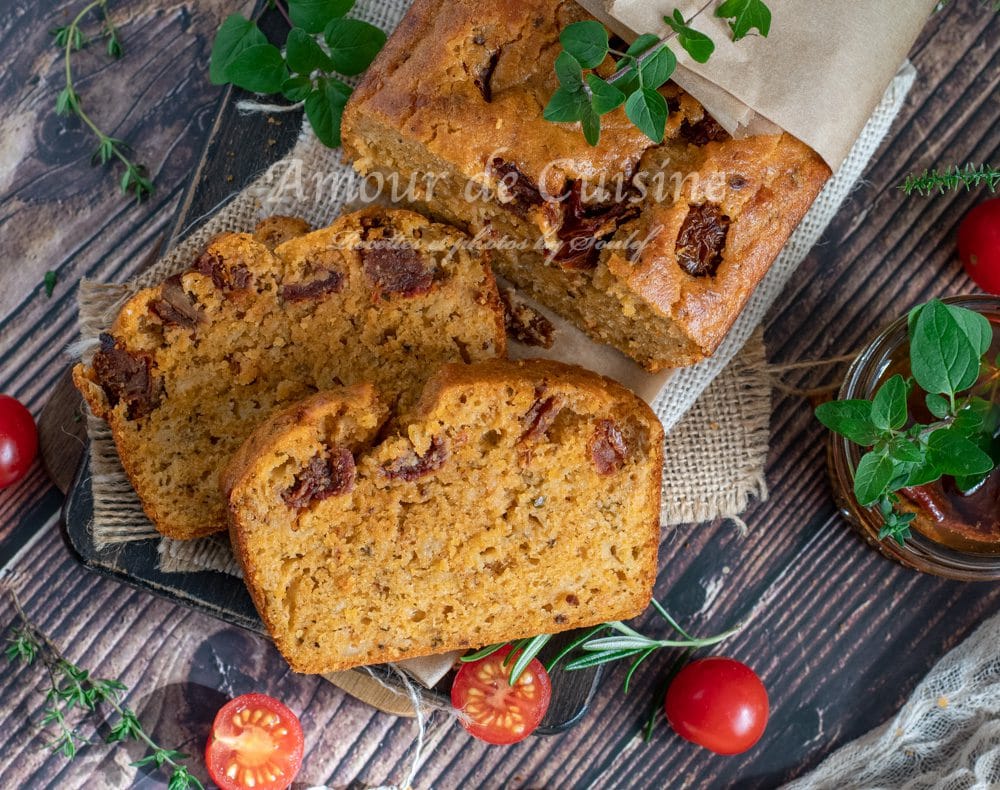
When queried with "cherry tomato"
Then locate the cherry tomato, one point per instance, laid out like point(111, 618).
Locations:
point(255, 744)
point(18, 440)
point(979, 245)
point(718, 703)
point(498, 712)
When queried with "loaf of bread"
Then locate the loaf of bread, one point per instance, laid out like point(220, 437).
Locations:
point(654, 249)
point(190, 367)
point(517, 498)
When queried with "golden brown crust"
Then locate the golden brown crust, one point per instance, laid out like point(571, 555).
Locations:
point(248, 330)
point(419, 110)
point(283, 552)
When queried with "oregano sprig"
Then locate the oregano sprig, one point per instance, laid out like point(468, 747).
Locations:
point(323, 46)
point(72, 688)
point(583, 96)
point(71, 38)
point(948, 354)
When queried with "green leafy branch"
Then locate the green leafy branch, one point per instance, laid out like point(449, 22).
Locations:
point(322, 46)
point(639, 71)
point(70, 39)
point(71, 688)
point(952, 178)
point(948, 345)
point(623, 642)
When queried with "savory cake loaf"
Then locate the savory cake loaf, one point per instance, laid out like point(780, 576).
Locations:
point(191, 366)
point(654, 249)
point(517, 498)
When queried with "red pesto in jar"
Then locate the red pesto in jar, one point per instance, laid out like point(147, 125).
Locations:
point(965, 522)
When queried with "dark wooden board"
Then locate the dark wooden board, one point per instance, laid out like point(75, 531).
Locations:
point(840, 635)
point(225, 166)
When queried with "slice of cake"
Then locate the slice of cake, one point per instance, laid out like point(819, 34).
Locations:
point(518, 498)
point(190, 367)
point(654, 249)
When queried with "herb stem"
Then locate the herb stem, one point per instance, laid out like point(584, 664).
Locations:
point(621, 73)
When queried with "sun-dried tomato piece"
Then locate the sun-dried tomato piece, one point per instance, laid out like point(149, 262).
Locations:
point(702, 239)
point(393, 268)
point(543, 412)
point(332, 282)
point(322, 477)
point(175, 306)
point(607, 447)
point(125, 377)
point(411, 466)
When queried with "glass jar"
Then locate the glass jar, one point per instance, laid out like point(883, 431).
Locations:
point(864, 376)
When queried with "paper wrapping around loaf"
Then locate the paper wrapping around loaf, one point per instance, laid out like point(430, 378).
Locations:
point(819, 74)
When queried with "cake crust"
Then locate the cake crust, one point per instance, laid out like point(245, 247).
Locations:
point(517, 498)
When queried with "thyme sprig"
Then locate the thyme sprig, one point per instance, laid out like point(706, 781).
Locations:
point(941, 181)
point(71, 688)
point(70, 39)
point(624, 642)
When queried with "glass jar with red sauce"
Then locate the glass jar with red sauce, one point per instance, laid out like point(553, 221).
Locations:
point(955, 534)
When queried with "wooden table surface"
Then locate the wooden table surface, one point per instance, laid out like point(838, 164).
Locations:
point(839, 635)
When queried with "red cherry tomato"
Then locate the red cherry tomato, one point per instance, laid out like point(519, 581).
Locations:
point(255, 744)
point(979, 245)
point(718, 703)
point(18, 440)
point(498, 712)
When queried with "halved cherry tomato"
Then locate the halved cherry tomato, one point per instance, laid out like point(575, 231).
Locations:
point(718, 703)
point(18, 440)
point(256, 744)
point(498, 712)
point(979, 245)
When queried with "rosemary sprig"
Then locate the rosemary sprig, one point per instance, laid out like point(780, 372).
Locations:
point(71, 38)
point(72, 688)
point(956, 177)
point(625, 643)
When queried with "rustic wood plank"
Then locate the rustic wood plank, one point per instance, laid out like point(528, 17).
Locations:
point(837, 658)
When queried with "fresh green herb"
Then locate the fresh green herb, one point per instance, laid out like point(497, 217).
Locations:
point(322, 44)
point(931, 181)
point(51, 278)
point(948, 347)
point(625, 643)
point(71, 38)
point(639, 72)
point(71, 688)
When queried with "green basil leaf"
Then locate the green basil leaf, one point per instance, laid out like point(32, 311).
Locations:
point(905, 451)
point(314, 15)
point(591, 123)
point(258, 69)
point(296, 88)
point(304, 55)
point(921, 474)
point(569, 72)
point(851, 419)
point(873, 474)
point(642, 43)
point(889, 404)
point(236, 34)
point(744, 16)
point(955, 455)
point(647, 109)
point(657, 69)
point(353, 44)
point(566, 106)
point(937, 405)
point(324, 108)
point(942, 358)
point(586, 41)
point(605, 97)
point(699, 46)
point(975, 326)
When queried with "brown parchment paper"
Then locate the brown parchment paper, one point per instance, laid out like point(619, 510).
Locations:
point(818, 75)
